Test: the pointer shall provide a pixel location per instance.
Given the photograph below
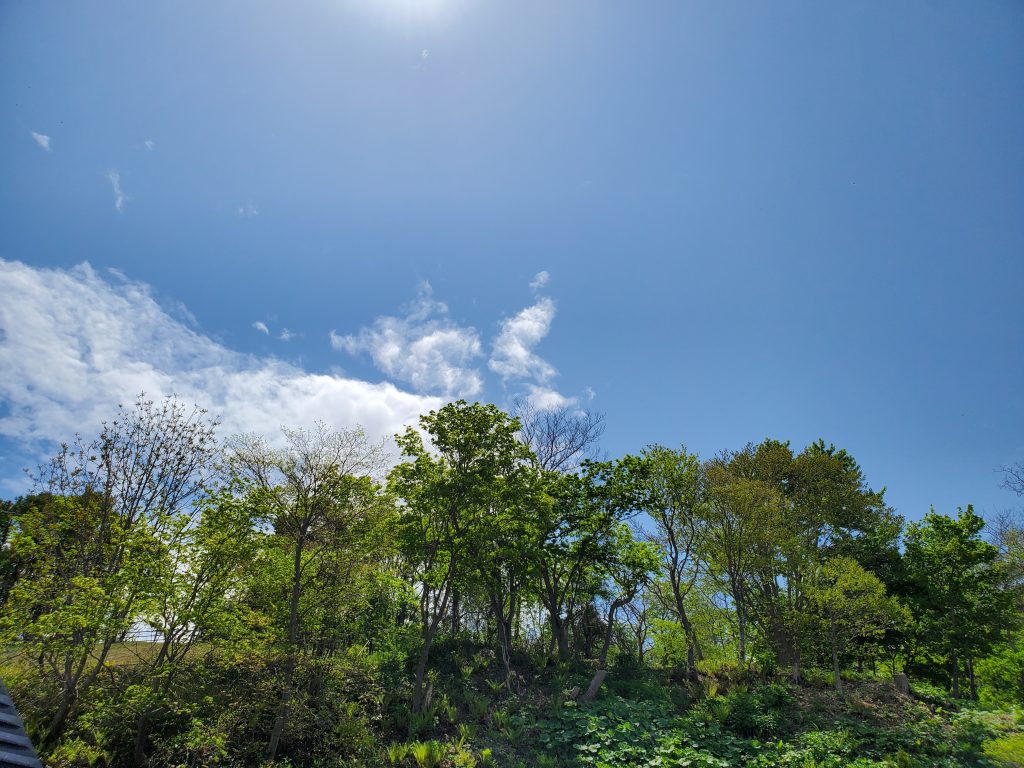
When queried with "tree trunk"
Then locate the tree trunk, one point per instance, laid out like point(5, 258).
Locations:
point(836, 673)
point(455, 613)
point(741, 618)
point(282, 712)
point(139, 752)
point(609, 626)
point(504, 630)
point(693, 652)
point(57, 722)
point(421, 673)
point(563, 640)
point(974, 682)
point(955, 664)
point(293, 635)
point(74, 681)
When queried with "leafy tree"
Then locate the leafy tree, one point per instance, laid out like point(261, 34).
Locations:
point(578, 521)
point(464, 501)
point(204, 557)
point(629, 570)
point(826, 505)
point(91, 544)
point(743, 519)
point(316, 494)
point(573, 531)
point(854, 607)
point(960, 608)
point(675, 498)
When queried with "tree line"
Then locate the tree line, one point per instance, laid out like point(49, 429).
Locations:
point(281, 585)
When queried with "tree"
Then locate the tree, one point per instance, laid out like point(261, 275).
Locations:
point(960, 607)
point(101, 509)
point(853, 606)
point(571, 520)
point(627, 572)
point(464, 516)
point(1013, 477)
point(576, 521)
point(743, 519)
point(825, 505)
point(561, 438)
point(204, 553)
point(674, 497)
point(315, 492)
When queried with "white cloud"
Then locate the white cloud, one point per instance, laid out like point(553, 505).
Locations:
point(540, 280)
point(261, 327)
point(73, 346)
point(286, 335)
point(248, 211)
point(424, 54)
point(149, 144)
point(115, 183)
point(513, 356)
point(42, 140)
point(545, 399)
point(424, 348)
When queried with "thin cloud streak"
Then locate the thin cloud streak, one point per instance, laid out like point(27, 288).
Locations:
point(114, 177)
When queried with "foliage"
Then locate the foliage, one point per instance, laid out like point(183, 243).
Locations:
point(167, 604)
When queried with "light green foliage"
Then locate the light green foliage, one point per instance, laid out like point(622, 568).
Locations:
point(427, 754)
point(1006, 751)
point(852, 607)
point(92, 547)
point(462, 522)
point(396, 753)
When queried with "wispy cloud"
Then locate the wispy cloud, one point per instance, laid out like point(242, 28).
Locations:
point(115, 183)
point(73, 345)
point(513, 356)
point(546, 399)
point(540, 280)
point(424, 348)
point(286, 335)
point(248, 211)
point(42, 140)
point(149, 144)
point(424, 54)
point(261, 327)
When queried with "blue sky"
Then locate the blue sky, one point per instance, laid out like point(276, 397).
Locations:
point(795, 220)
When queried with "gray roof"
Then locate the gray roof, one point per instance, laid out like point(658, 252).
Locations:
point(15, 746)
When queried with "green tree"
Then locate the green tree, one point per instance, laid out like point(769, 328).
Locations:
point(464, 516)
point(960, 606)
point(743, 519)
point(853, 606)
point(826, 505)
point(205, 553)
point(317, 493)
point(674, 486)
point(90, 546)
